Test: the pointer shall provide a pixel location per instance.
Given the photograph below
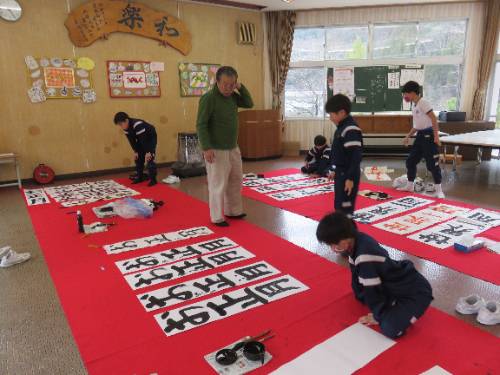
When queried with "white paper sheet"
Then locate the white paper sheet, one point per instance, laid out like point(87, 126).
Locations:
point(183, 268)
point(241, 366)
point(203, 286)
point(302, 193)
point(272, 180)
point(157, 239)
point(343, 81)
point(291, 185)
point(35, 197)
point(436, 370)
point(173, 255)
point(220, 307)
point(393, 80)
point(88, 192)
point(344, 353)
point(446, 234)
point(381, 211)
point(157, 66)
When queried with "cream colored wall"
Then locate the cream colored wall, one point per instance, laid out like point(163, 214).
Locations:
point(74, 137)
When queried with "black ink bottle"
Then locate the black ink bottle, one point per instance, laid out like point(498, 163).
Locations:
point(79, 219)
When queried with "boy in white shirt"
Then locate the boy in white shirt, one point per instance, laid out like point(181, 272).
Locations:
point(427, 139)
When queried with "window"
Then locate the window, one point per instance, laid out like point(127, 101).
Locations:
point(347, 43)
point(305, 92)
point(441, 38)
point(394, 40)
point(438, 45)
point(440, 86)
point(308, 45)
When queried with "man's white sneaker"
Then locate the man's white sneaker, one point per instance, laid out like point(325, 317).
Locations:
point(436, 194)
point(4, 251)
point(470, 304)
point(13, 258)
point(407, 187)
point(489, 314)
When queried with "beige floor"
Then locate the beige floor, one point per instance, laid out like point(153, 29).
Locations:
point(34, 334)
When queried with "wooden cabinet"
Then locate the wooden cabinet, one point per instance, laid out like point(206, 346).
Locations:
point(260, 134)
point(384, 124)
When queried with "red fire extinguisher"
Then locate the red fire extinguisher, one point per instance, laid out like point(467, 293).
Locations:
point(43, 174)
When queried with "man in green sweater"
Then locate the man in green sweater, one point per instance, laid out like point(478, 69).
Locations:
point(217, 127)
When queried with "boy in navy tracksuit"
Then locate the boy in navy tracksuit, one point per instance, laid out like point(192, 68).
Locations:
point(394, 291)
point(347, 148)
point(142, 137)
point(318, 158)
point(427, 139)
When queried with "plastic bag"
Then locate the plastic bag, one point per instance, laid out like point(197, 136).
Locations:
point(130, 208)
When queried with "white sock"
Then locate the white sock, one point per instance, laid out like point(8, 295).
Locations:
point(410, 186)
point(438, 188)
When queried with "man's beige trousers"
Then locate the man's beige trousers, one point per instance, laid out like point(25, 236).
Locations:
point(225, 176)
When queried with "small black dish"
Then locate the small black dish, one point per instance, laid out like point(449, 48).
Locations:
point(226, 357)
point(254, 351)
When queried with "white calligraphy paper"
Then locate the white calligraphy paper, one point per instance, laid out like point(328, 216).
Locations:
point(157, 239)
point(192, 289)
point(35, 197)
point(210, 310)
point(177, 270)
point(174, 254)
point(88, 192)
point(446, 234)
point(380, 211)
point(342, 354)
point(302, 193)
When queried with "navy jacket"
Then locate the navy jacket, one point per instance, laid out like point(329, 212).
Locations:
point(321, 158)
point(141, 136)
point(347, 148)
point(378, 281)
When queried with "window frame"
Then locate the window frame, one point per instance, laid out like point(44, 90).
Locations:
point(370, 61)
point(491, 84)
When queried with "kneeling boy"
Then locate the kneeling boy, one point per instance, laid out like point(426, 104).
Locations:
point(394, 291)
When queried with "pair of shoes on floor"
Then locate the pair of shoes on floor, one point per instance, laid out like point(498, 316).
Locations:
point(9, 257)
point(488, 312)
point(172, 179)
point(226, 224)
point(138, 180)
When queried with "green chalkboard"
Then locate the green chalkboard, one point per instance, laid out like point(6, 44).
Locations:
point(376, 88)
point(370, 84)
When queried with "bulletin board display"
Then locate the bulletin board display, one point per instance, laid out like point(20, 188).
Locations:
point(196, 79)
point(57, 78)
point(133, 79)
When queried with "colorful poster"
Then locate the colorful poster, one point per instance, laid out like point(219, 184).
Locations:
point(57, 78)
point(133, 79)
point(196, 79)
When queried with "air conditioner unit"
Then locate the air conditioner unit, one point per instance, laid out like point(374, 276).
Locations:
point(246, 33)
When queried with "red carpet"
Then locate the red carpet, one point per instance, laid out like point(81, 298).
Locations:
point(115, 335)
point(481, 264)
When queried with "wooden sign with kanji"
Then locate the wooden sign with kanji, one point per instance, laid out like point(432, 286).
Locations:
point(98, 18)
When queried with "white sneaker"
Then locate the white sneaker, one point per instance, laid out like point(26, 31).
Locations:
point(489, 314)
point(4, 251)
point(408, 187)
point(430, 187)
point(470, 304)
point(13, 258)
point(171, 179)
point(436, 194)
